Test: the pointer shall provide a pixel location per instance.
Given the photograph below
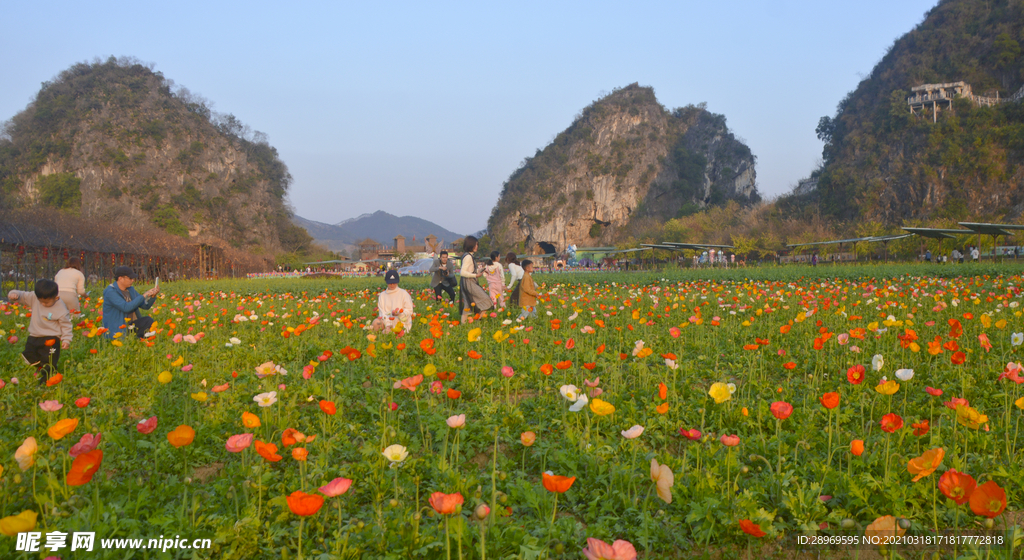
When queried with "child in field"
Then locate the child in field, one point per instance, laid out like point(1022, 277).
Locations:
point(527, 292)
point(495, 276)
point(49, 330)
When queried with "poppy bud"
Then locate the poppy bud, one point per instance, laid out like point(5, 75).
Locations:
point(482, 511)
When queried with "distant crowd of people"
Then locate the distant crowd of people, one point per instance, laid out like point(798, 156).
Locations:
point(395, 305)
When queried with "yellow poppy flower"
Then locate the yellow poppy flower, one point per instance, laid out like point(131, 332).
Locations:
point(601, 408)
point(474, 335)
point(720, 392)
point(888, 387)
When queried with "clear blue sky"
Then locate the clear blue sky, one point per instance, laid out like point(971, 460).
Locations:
point(425, 109)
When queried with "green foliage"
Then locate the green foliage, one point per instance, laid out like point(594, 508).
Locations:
point(882, 163)
point(166, 218)
point(60, 190)
point(595, 231)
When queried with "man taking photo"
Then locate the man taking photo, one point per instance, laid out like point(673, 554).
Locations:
point(443, 278)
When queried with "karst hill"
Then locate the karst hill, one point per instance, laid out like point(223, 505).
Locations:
point(936, 132)
point(625, 160)
point(115, 142)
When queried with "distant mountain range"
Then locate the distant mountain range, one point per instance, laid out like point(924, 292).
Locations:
point(379, 226)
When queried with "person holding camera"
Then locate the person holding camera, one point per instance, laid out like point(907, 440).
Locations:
point(443, 278)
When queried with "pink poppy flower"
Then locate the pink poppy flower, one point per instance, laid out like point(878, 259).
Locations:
point(730, 441)
point(507, 371)
point(336, 487)
point(238, 443)
point(600, 550)
point(88, 443)
point(50, 406)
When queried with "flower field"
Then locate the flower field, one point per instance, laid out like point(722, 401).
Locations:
point(670, 415)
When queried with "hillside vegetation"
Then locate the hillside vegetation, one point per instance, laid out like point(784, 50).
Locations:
point(883, 164)
point(115, 141)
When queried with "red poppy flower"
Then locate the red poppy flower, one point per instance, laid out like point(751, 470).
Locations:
point(328, 407)
point(446, 504)
point(855, 375)
point(557, 483)
point(547, 369)
point(751, 346)
point(920, 428)
point(751, 528)
point(829, 400)
point(819, 343)
point(623, 355)
point(304, 504)
point(958, 358)
point(957, 486)
point(566, 364)
point(955, 328)
point(146, 426)
point(952, 346)
point(692, 434)
point(600, 349)
point(84, 467)
point(669, 356)
point(988, 500)
point(590, 365)
point(82, 402)
point(891, 422)
point(475, 355)
point(789, 365)
point(453, 394)
point(933, 391)
point(570, 344)
point(781, 409)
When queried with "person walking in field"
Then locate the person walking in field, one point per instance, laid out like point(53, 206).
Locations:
point(495, 275)
point(527, 292)
point(71, 283)
point(472, 298)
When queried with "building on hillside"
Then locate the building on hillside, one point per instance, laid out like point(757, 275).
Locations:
point(940, 96)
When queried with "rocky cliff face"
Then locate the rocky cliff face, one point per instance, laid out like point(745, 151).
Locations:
point(110, 141)
point(624, 158)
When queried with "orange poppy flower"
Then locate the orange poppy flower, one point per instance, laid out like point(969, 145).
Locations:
point(181, 436)
point(590, 365)
point(564, 364)
point(453, 394)
point(250, 420)
point(623, 355)
point(958, 358)
point(920, 428)
point(662, 391)
point(884, 526)
point(547, 369)
point(304, 504)
point(926, 464)
point(751, 528)
point(291, 436)
point(475, 355)
point(557, 483)
point(328, 407)
point(84, 467)
point(446, 375)
point(600, 349)
point(662, 408)
point(784, 329)
point(268, 451)
point(446, 504)
point(669, 356)
point(857, 447)
point(54, 379)
point(789, 365)
point(957, 486)
point(300, 453)
point(829, 400)
point(62, 428)
point(988, 500)
point(751, 346)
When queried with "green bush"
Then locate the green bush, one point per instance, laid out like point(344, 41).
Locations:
point(61, 190)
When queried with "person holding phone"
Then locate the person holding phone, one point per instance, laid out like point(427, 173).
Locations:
point(121, 305)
